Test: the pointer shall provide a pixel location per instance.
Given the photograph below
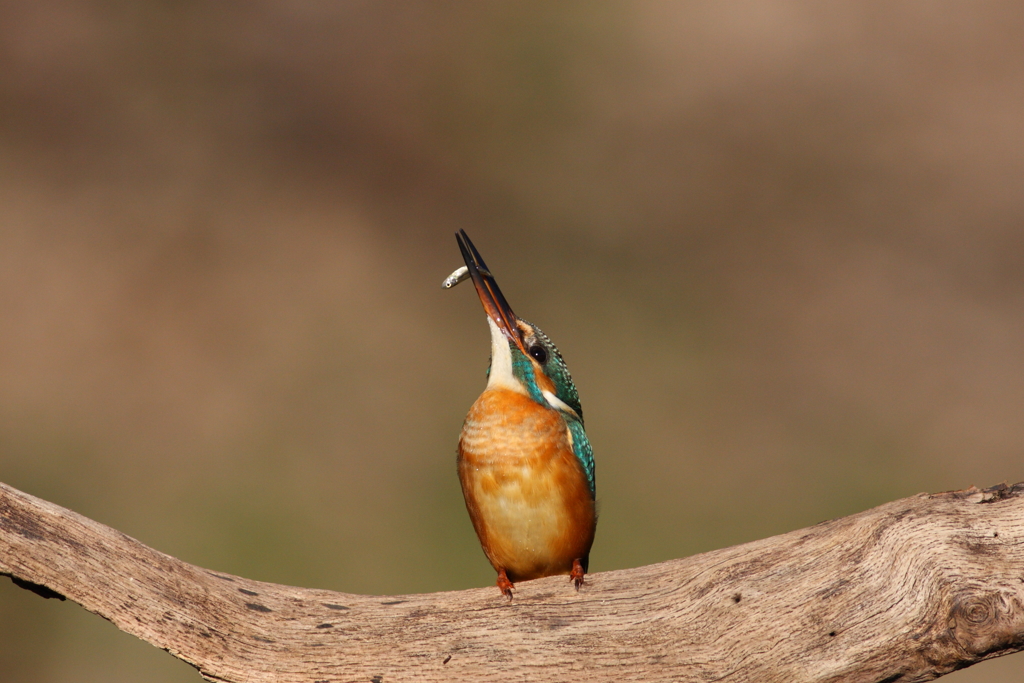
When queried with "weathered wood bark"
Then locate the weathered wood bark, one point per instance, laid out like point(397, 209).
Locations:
point(905, 592)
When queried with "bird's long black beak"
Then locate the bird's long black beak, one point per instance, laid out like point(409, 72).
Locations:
point(487, 289)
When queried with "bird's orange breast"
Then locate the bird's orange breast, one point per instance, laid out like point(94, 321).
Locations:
point(525, 490)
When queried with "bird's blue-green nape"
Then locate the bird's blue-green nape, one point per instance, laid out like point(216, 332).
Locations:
point(545, 354)
point(543, 350)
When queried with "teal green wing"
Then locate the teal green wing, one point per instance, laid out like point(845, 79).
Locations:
point(584, 452)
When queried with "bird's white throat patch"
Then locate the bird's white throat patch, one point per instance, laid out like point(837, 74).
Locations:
point(501, 376)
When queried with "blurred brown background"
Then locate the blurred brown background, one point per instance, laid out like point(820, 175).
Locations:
point(781, 246)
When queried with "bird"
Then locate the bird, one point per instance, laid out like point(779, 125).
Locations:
point(524, 461)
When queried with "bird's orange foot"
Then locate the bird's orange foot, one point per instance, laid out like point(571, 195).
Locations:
point(504, 585)
point(576, 575)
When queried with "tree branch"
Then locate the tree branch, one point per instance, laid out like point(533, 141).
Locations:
point(905, 592)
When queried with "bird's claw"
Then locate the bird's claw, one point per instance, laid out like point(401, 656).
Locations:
point(576, 575)
point(504, 585)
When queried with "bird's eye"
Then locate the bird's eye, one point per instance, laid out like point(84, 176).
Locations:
point(539, 353)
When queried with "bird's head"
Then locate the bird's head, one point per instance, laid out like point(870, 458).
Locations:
point(523, 358)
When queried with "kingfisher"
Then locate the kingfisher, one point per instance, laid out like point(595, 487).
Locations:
point(524, 461)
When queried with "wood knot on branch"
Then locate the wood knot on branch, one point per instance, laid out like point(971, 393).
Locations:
point(985, 624)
